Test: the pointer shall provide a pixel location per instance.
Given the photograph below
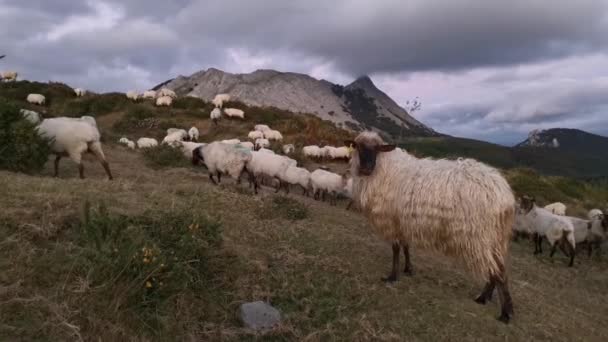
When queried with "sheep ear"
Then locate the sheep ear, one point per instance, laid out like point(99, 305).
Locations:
point(385, 148)
point(350, 143)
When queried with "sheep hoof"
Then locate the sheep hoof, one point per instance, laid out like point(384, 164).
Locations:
point(390, 279)
point(481, 300)
point(504, 317)
point(408, 272)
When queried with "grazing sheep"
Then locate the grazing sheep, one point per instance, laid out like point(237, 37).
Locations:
point(273, 135)
point(36, 99)
point(266, 164)
point(72, 137)
point(188, 147)
point(557, 208)
point(233, 112)
point(8, 76)
point(164, 101)
point(294, 175)
point(558, 229)
point(175, 135)
point(521, 228)
point(339, 153)
point(464, 210)
point(193, 134)
point(133, 95)
point(261, 143)
point(80, 92)
point(590, 232)
point(289, 148)
point(222, 158)
point(325, 182)
point(254, 135)
point(231, 141)
point(247, 144)
point(594, 213)
point(31, 116)
point(146, 142)
point(312, 151)
point(215, 115)
point(166, 92)
point(261, 128)
point(149, 94)
point(125, 141)
point(219, 99)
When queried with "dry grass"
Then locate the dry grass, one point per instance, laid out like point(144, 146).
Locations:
point(322, 271)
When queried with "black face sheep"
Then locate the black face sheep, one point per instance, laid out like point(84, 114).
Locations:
point(463, 209)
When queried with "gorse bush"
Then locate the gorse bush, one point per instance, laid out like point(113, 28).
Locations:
point(21, 148)
point(163, 156)
point(283, 207)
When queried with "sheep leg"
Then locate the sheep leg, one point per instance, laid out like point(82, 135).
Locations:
point(393, 275)
point(98, 152)
point(408, 270)
point(506, 301)
point(57, 159)
point(572, 254)
point(553, 248)
point(219, 177)
point(304, 191)
point(287, 188)
point(486, 293)
point(211, 177)
point(349, 205)
point(589, 249)
point(278, 187)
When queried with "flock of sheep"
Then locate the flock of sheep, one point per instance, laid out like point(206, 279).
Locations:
point(410, 202)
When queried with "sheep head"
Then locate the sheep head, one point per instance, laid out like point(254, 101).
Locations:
point(197, 156)
point(527, 203)
point(367, 145)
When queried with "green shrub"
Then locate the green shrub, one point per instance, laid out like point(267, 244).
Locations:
point(283, 207)
point(163, 156)
point(21, 148)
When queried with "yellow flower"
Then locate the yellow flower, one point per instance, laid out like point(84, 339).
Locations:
point(148, 284)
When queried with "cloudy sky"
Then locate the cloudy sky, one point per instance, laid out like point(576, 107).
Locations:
point(491, 70)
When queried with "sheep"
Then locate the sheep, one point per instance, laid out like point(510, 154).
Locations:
point(219, 99)
point(8, 76)
point(166, 92)
point(325, 182)
point(590, 232)
point(289, 148)
point(294, 175)
point(273, 135)
point(89, 119)
point(175, 135)
point(36, 99)
point(134, 95)
point(193, 134)
point(247, 144)
point(520, 225)
point(339, 153)
point(261, 143)
point(233, 112)
point(266, 164)
point(149, 94)
point(312, 151)
point(254, 135)
point(557, 208)
point(188, 147)
point(125, 141)
point(146, 142)
point(265, 150)
point(80, 92)
point(231, 141)
point(72, 137)
point(594, 213)
point(261, 128)
point(464, 210)
point(558, 229)
point(164, 101)
point(215, 115)
point(222, 158)
point(30, 116)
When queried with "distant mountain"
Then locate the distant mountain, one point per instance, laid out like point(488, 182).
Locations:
point(568, 140)
point(359, 105)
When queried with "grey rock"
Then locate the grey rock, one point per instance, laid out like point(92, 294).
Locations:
point(259, 316)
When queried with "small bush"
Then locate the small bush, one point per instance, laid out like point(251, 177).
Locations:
point(163, 156)
point(283, 207)
point(21, 148)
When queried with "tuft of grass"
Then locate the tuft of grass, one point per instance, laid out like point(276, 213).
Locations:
point(285, 208)
point(164, 156)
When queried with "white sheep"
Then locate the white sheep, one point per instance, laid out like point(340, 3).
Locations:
point(80, 92)
point(31, 116)
point(125, 141)
point(215, 115)
point(294, 175)
point(339, 153)
point(325, 182)
point(146, 142)
point(231, 141)
point(590, 232)
point(149, 94)
point(36, 99)
point(254, 135)
point(312, 151)
point(8, 76)
point(221, 159)
point(557, 208)
point(289, 148)
point(166, 92)
point(261, 128)
point(594, 213)
point(133, 95)
point(73, 137)
point(219, 99)
point(273, 135)
point(261, 143)
point(164, 101)
point(234, 112)
point(266, 164)
point(463, 210)
point(265, 150)
point(193, 134)
point(175, 135)
point(247, 144)
point(187, 147)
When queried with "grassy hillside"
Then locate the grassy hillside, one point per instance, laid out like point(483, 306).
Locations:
point(162, 254)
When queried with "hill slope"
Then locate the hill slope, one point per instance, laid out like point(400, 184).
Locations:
point(358, 105)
